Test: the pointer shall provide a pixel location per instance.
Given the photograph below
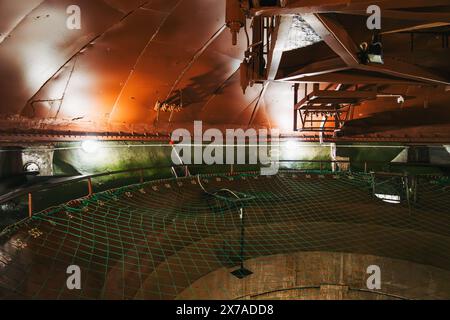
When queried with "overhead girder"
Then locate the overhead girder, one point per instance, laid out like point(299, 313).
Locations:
point(342, 6)
point(339, 40)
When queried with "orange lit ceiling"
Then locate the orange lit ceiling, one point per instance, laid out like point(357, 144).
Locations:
point(129, 54)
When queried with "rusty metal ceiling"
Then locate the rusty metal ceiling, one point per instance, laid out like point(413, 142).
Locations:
point(129, 54)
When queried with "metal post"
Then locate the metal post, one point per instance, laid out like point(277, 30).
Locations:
point(242, 237)
point(415, 186)
point(296, 86)
point(373, 185)
point(90, 187)
point(30, 205)
point(242, 272)
point(141, 172)
point(408, 193)
point(365, 167)
point(231, 169)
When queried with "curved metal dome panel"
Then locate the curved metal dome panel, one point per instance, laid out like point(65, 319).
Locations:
point(126, 57)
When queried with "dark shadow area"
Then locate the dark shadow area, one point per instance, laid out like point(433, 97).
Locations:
point(398, 119)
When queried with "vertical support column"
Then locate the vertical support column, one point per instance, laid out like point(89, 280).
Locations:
point(373, 185)
point(408, 192)
point(411, 189)
point(141, 176)
point(258, 48)
point(415, 183)
point(316, 86)
point(242, 237)
point(91, 192)
point(296, 86)
point(30, 205)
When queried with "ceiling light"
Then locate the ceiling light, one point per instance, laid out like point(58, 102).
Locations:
point(375, 50)
point(90, 146)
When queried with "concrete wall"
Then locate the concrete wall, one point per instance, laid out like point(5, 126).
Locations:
point(41, 155)
point(322, 275)
point(70, 158)
point(13, 159)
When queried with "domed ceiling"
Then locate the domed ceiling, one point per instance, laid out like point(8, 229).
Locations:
point(126, 56)
point(108, 75)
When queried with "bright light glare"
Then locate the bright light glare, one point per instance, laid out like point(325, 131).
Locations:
point(90, 146)
point(290, 150)
point(291, 145)
point(389, 198)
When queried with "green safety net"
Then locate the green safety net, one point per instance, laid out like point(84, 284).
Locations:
point(158, 239)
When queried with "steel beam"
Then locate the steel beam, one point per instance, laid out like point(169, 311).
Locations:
point(335, 36)
point(316, 69)
point(338, 39)
point(342, 6)
point(279, 40)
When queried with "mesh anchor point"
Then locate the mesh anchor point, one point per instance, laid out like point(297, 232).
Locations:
point(241, 273)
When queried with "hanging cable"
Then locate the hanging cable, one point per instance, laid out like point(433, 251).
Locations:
point(236, 194)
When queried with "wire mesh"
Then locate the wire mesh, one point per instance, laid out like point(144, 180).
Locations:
point(154, 240)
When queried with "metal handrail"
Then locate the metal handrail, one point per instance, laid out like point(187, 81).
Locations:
point(69, 180)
